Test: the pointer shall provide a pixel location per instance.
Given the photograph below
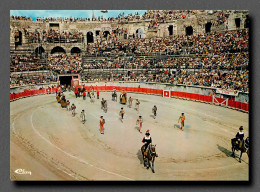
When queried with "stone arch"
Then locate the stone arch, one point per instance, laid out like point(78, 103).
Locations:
point(75, 50)
point(208, 27)
point(106, 33)
point(18, 38)
point(57, 49)
point(139, 33)
point(189, 30)
point(90, 38)
point(170, 29)
point(39, 50)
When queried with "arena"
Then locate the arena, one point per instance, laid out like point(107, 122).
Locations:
point(191, 62)
point(64, 148)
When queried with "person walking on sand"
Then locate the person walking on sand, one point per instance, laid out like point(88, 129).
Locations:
point(101, 124)
point(154, 111)
point(122, 112)
point(139, 122)
point(182, 119)
point(130, 102)
point(73, 109)
point(137, 103)
point(83, 116)
point(68, 105)
point(97, 94)
point(84, 95)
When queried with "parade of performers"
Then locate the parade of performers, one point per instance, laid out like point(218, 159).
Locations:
point(182, 119)
point(123, 98)
point(238, 143)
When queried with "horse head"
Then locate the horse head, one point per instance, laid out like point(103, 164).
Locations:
point(153, 151)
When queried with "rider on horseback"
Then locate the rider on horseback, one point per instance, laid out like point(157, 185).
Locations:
point(240, 136)
point(147, 140)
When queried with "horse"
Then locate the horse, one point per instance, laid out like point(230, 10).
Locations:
point(243, 149)
point(151, 154)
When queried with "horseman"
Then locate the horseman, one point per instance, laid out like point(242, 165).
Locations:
point(240, 136)
point(147, 140)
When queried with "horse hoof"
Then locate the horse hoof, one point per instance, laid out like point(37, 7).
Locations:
point(239, 161)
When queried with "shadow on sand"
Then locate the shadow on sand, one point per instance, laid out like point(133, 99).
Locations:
point(140, 156)
point(137, 128)
point(177, 126)
point(227, 152)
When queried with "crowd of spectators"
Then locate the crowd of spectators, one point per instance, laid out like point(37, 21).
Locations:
point(54, 36)
point(155, 16)
point(231, 80)
point(63, 64)
point(22, 79)
point(205, 44)
point(26, 63)
point(219, 60)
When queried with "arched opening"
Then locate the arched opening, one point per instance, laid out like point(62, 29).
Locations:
point(189, 30)
point(58, 50)
point(39, 51)
point(139, 33)
point(246, 25)
point(75, 50)
point(18, 38)
point(170, 29)
point(90, 38)
point(106, 33)
point(237, 21)
point(208, 27)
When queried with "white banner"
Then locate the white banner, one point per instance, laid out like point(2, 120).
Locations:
point(227, 92)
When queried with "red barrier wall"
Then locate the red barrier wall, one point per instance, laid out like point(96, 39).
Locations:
point(193, 96)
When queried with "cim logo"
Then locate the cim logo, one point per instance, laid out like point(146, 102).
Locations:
point(23, 172)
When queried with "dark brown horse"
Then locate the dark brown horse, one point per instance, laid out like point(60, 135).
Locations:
point(243, 149)
point(151, 154)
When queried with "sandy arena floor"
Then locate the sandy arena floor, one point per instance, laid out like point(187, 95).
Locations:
point(47, 141)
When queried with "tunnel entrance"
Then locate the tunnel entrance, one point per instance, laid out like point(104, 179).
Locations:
point(189, 30)
point(170, 29)
point(65, 80)
point(208, 27)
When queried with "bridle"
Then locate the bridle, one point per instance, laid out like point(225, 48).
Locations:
point(152, 153)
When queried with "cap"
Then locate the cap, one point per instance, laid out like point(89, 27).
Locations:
point(241, 128)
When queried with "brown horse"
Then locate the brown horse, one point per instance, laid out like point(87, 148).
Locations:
point(151, 154)
point(243, 149)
